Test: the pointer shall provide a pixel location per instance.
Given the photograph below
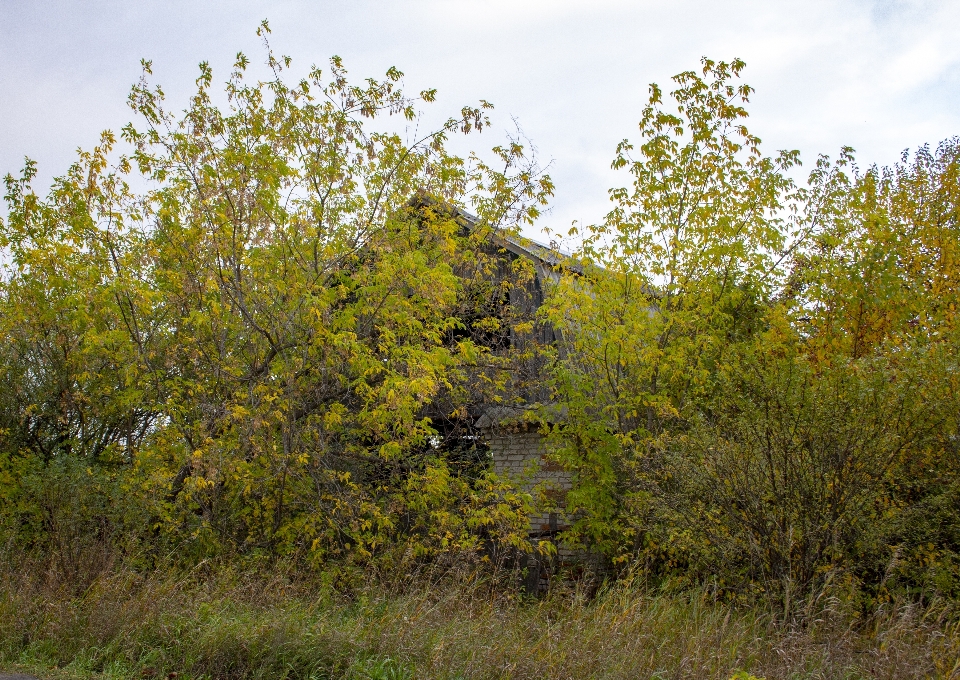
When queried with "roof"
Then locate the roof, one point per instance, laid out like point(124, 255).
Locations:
point(520, 415)
point(523, 246)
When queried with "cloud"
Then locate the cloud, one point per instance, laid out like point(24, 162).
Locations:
point(879, 75)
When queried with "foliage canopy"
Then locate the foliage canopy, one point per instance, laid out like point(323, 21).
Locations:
point(761, 378)
point(267, 329)
point(270, 345)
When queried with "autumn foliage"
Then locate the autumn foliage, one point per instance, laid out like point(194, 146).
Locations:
point(761, 377)
point(263, 329)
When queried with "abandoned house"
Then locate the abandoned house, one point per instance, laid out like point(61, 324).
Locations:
point(511, 433)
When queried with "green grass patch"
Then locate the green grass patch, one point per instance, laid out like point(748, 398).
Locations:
point(221, 625)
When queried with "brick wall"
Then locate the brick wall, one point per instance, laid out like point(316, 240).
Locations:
point(521, 456)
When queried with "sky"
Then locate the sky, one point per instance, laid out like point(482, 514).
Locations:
point(878, 75)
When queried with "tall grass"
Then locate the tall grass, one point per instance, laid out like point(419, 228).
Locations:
point(223, 625)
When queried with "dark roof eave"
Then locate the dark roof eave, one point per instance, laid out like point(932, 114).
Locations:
point(527, 247)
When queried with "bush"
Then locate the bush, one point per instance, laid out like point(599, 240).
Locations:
point(803, 476)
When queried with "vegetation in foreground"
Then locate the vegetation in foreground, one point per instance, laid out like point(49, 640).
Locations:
point(217, 624)
point(264, 335)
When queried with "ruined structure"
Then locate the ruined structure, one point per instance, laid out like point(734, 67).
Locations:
point(507, 434)
point(513, 434)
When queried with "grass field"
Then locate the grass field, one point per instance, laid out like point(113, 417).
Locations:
point(217, 624)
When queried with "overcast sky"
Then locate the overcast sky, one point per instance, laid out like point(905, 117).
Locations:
point(878, 75)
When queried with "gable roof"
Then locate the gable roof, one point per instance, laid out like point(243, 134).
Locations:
point(523, 246)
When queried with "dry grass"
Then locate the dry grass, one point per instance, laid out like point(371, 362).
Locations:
point(220, 625)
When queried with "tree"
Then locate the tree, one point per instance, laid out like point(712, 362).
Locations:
point(758, 381)
point(275, 316)
point(673, 276)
